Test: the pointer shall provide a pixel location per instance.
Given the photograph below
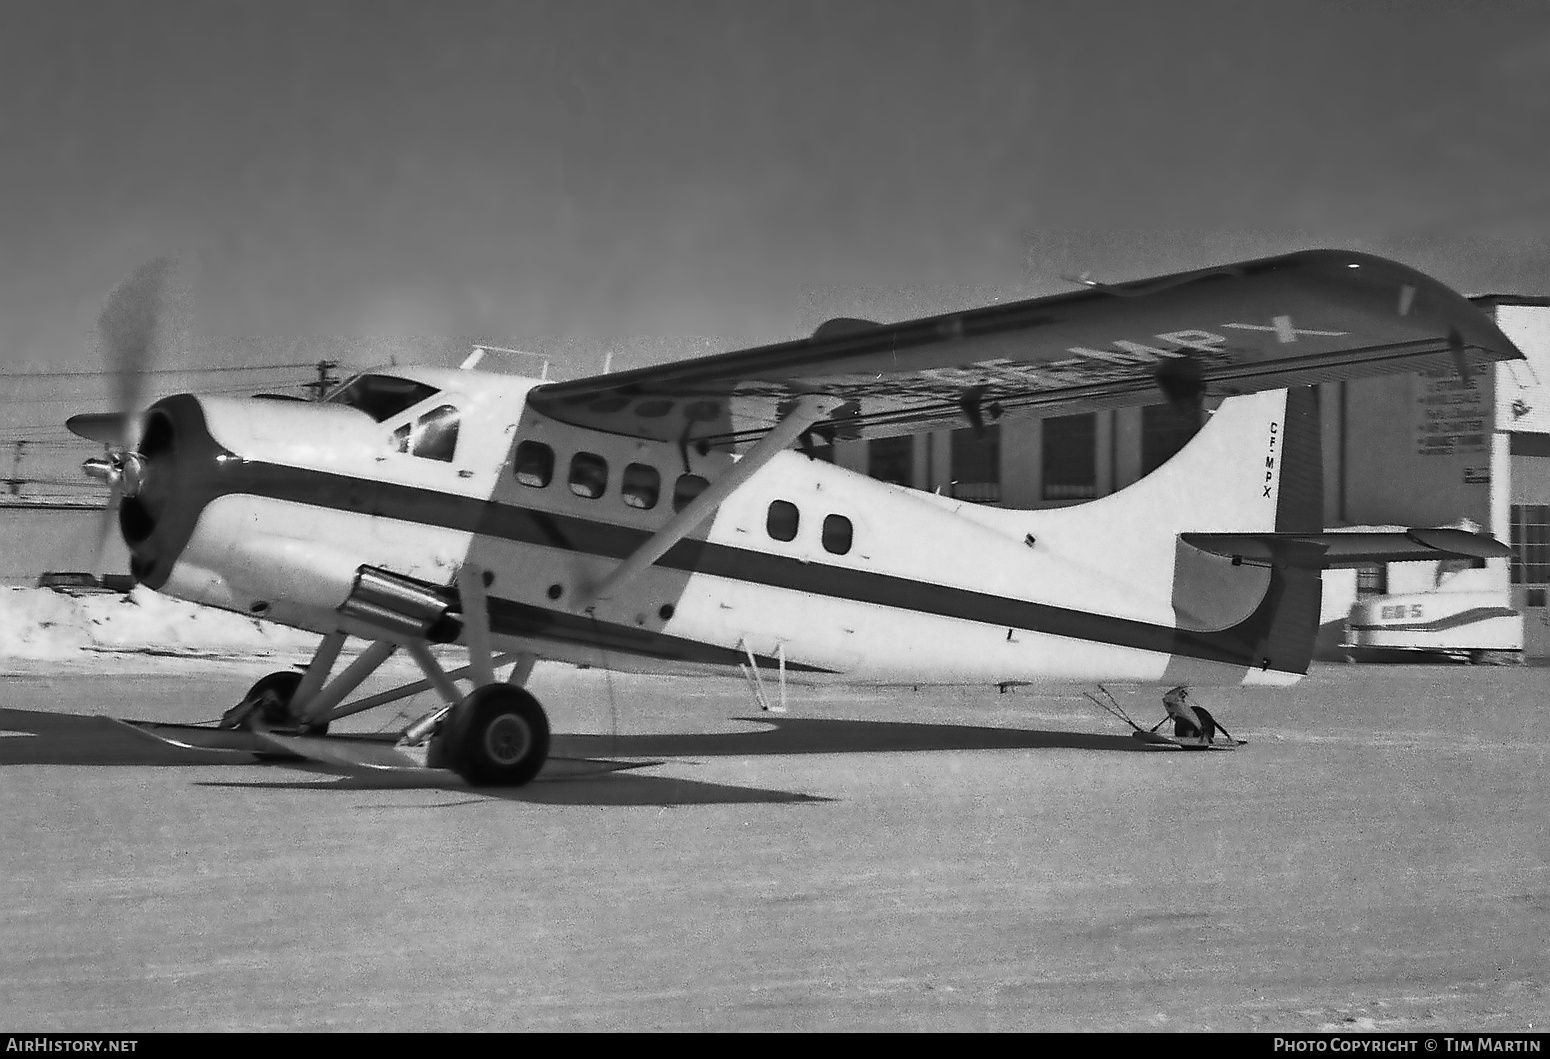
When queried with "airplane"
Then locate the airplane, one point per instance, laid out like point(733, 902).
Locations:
point(678, 518)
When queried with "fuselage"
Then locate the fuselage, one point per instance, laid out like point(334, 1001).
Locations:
point(826, 573)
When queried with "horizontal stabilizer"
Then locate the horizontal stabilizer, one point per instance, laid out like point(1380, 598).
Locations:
point(1323, 551)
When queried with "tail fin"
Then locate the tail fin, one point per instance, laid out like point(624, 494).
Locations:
point(1210, 596)
point(1254, 468)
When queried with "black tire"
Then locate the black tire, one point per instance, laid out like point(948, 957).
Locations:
point(275, 693)
point(496, 737)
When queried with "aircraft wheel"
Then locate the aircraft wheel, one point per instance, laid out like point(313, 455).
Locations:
point(268, 703)
point(496, 737)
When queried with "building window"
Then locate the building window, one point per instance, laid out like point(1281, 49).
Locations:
point(1164, 431)
point(1530, 544)
point(976, 464)
point(534, 464)
point(1372, 581)
point(837, 534)
point(642, 486)
point(892, 460)
point(782, 521)
point(588, 475)
point(1071, 457)
point(686, 489)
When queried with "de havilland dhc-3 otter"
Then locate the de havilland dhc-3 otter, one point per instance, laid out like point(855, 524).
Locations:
point(677, 518)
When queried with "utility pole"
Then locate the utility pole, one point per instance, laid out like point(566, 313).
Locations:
point(325, 381)
point(15, 481)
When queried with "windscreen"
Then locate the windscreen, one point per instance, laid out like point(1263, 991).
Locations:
point(381, 396)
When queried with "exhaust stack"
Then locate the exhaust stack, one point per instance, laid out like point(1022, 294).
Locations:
point(403, 605)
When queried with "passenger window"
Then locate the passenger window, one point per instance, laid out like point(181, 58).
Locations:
point(642, 486)
point(688, 487)
point(588, 475)
point(435, 434)
point(401, 438)
point(837, 533)
point(534, 464)
point(782, 520)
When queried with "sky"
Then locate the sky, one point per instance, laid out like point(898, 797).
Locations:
point(375, 180)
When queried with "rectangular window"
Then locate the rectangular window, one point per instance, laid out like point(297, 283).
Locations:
point(1530, 544)
point(1164, 431)
point(588, 475)
point(783, 520)
point(892, 460)
point(641, 486)
point(1071, 457)
point(976, 464)
point(1372, 581)
point(534, 464)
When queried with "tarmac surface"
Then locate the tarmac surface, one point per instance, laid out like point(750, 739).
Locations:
point(1376, 858)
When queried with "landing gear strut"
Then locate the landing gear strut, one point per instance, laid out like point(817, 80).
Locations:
point(495, 735)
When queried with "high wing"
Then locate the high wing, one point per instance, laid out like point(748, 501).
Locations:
point(1309, 317)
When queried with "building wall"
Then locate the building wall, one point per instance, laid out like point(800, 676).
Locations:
point(1416, 451)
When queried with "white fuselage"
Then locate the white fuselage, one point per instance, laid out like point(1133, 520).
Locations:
point(925, 590)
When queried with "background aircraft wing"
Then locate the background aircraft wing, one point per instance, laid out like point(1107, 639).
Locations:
point(1309, 317)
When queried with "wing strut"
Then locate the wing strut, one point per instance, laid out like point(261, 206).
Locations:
point(809, 410)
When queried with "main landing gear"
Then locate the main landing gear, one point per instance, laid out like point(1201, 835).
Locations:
point(495, 735)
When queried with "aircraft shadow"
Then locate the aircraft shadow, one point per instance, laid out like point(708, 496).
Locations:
point(39, 738)
point(580, 772)
point(608, 783)
point(806, 735)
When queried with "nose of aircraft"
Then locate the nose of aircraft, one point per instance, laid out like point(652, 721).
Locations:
point(166, 482)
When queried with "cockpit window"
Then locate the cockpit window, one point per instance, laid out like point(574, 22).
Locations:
point(381, 396)
point(435, 434)
point(432, 437)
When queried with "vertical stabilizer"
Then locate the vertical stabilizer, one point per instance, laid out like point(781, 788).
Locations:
point(1255, 467)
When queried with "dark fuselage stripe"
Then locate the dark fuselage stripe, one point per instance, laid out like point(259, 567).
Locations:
point(605, 540)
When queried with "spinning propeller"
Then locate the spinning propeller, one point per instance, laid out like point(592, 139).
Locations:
point(128, 329)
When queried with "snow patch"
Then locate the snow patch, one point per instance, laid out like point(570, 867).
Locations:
point(38, 623)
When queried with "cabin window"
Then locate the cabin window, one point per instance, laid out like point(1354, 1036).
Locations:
point(435, 434)
point(686, 489)
point(782, 521)
point(381, 396)
point(588, 475)
point(534, 464)
point(642, 486)
point(837, 534)
point(401, 438)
